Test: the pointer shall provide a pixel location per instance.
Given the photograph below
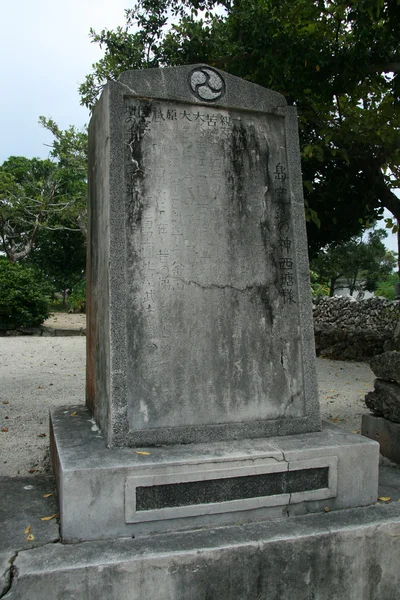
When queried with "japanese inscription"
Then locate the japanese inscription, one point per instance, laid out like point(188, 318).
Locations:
point(209, 237)
point(282, 218)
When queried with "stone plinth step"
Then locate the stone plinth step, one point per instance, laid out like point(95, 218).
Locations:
point(107, 493)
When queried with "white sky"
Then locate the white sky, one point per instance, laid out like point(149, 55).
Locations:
point(45, 54)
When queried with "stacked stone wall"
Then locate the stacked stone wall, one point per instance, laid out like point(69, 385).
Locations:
point(350, 329)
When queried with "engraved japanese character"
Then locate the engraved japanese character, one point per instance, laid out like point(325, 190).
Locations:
point(199, 117)
point(177, 268)
point(225, 121)
point(288, 296)
point(285, 263)
point(163, 255)
point(281, 192)
point(280, 172)
point(186, 115)
point(211, 120)
point(285, 244)
point(287, 279)
point(158, 114)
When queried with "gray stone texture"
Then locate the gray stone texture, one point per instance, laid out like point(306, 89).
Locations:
point(350, 329)
point(199, 312)
point(394, 342)
point(384, 401)
point(386, 433)
point(22, 506)
point(96, 485)
point(351, 554)
point(387, 366)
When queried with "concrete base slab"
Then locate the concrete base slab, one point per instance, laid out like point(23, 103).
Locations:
point(124, 492)
point(24, 501)
point(385, 432)
point(352, 554)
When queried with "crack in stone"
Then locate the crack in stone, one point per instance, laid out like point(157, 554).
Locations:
point(212, 286)
point(9, 575)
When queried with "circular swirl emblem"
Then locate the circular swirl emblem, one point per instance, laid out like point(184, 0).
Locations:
point(206, 84)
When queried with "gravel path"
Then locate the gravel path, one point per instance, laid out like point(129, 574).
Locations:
point(38, 373)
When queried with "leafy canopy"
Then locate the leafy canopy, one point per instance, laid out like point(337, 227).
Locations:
point(337, 61)
point(362, 264)
point(38, 195)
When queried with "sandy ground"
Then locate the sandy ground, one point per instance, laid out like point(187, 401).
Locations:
point(66, 321)
point(37, 373)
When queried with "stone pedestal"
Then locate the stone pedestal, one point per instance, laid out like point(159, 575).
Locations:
point(121, 492)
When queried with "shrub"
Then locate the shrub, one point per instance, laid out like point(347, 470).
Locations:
point(77, 297)
point(24, 296)
point(318, 287)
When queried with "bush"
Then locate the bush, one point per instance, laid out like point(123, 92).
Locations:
point(24, 296)
point(77, 298)
point(318, 287)
point(385, 289)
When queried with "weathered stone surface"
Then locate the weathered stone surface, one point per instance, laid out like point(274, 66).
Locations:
point(22, 504)
point(199, 312)
point(387, 366)
point(394, 342)
point(386, 433)
point(350, 329)
point(384, 401)
point(102, 483)
point(340, 343)
point(351, 554)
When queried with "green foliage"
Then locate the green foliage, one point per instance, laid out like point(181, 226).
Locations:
point(318, 286)
point(338, 62)
point(38, 195)
point(385, 288)
point(70, 153)
point(24, 296)
point(363, 264)
point(77, 298)
point(61, 256)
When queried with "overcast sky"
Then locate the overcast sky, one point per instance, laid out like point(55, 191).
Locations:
point(45, 54)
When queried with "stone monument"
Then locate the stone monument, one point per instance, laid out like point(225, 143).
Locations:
point(202, 403)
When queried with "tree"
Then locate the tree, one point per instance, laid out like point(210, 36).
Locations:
point(70, 152)
point(37, 195)
point(60, 255)
point(30, 198)
point(337, 61)
point(363, 264)
point(24, 298)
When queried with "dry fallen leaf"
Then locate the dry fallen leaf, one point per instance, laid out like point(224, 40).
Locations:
point(5, 402)
point(49, 518)
point(27, 530)
point(356, 431)
point(30, 538)
point(41, 387)
point(384, 498)
point(33, 470)
point(47, 495)
point(5, 429)
point(42, 434)
point(143, 453)
point(335, 420)
point(73, 414)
